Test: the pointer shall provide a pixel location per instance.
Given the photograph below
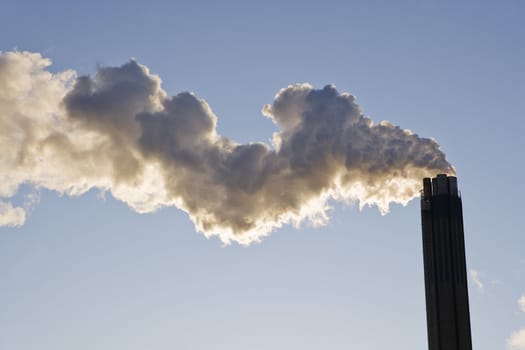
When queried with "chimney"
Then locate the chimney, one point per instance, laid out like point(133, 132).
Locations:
point(448, 319)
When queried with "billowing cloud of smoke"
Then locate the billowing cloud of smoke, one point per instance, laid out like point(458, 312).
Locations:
point(118, 131)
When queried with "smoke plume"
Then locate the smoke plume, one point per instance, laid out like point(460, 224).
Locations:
point(118, 131)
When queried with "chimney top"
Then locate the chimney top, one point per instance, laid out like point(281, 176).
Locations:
point(440, 185)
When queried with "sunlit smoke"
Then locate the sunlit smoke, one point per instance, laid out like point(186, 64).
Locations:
point(118, 131)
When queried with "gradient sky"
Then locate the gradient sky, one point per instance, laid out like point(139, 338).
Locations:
point(89, 273)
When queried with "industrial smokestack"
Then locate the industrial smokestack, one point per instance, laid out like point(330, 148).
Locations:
point(448, 319)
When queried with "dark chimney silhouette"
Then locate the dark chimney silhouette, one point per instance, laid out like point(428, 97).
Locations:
point(448, 319)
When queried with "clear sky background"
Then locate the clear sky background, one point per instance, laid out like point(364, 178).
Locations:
point(89, 273)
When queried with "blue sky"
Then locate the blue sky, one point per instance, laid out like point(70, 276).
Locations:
point(86, 272)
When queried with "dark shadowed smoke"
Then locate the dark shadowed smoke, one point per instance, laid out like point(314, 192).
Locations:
point(151, 150)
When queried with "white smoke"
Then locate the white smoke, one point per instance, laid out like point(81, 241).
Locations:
point(118, 131)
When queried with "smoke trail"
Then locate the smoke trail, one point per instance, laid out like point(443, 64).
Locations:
point(118, 131)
